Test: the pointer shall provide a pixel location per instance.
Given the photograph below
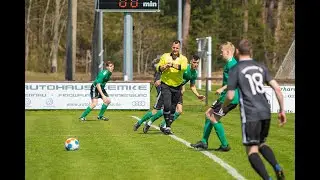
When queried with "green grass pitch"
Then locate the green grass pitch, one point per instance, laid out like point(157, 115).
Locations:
point(112, 150)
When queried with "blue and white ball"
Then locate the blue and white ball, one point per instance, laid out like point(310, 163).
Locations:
point(71, 144)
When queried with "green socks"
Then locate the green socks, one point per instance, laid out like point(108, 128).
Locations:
point(102, 110)
point(176, 115)
point(163, 122)
point(220, 133)
point(156, 116)
point(206, 130)
point(145, 117)
point(86, 112)
point(218, 127)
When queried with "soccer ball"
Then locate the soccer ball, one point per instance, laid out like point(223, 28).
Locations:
point(71, 144)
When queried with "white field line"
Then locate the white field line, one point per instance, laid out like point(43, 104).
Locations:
point(232, 171)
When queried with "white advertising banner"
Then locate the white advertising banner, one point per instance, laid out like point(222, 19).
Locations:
point(77, 95)
point(288, 95)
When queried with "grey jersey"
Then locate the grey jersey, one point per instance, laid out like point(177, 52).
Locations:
point(250, 77)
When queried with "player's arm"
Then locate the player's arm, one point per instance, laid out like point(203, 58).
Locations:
point(275, 86)
point(229, 97)
point(157, 80)
point(157, 76)
point(162, 65)
point(231, 87)
point(194, 90)
point(220, 90)
point(99, 81)
point(281, 116)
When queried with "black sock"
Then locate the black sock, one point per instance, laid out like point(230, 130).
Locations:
point(171, 117)
point(268, 154)
point(258, 165)
point(166, 116)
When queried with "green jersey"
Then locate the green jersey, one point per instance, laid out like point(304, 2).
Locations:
point(102, 78)
point(190, 75)
point(231, 62)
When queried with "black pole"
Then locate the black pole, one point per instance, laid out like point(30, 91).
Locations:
point(71, 40)
point(95, 53)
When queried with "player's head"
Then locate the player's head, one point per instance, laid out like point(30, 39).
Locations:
point(195, 61)
point(175, 48)
point(109, 66)
point(227, 50)
point(244, 48)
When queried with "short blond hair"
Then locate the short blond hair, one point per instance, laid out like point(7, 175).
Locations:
point(229, 46)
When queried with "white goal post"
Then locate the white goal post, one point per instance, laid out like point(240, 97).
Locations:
point(204, 52)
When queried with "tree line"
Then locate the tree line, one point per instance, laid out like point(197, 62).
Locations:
point(269, 24)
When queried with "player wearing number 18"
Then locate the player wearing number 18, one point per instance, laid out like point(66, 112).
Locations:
point(249, 77)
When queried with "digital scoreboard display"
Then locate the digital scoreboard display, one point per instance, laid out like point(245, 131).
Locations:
point(128, 5)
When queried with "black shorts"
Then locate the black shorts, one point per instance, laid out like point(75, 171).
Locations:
point(159, 102)
point(171, 96)
point(216, 106)
point(94, 93)
point(255, 132)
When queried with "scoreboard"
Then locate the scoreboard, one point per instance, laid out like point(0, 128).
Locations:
point(128, 5)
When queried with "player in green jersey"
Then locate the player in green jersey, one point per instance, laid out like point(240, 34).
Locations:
point(214, 113)
point(191, 75)
point(97, 91)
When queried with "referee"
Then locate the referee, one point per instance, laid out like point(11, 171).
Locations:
point(172, 66)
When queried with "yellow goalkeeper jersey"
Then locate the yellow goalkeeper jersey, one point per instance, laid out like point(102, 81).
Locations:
point(171, 76)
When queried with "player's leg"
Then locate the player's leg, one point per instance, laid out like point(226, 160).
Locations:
point(157, 106)
point(176, 115)
point(104, 106)
point(144, 118)
point(166, 93)
point(203, 143)
point(176, 95)
point(251, 139)
point(178, 108)
point(94, 94)
point(267, 152)
point(156, 116)
point(218, 126)
point(152, 119)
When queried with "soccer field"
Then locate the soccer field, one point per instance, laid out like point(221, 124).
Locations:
point(112, 150)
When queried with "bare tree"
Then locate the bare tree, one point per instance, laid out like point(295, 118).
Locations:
point(277, 33)
point(264, 23)
point(245, 18)
point(54, 46)
point(139, 42)
point(146, 64)
point(44, 29)
point(57, 34)
point(27, 29)
point(147, 50)
point(270, 15)
point(186, 22)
